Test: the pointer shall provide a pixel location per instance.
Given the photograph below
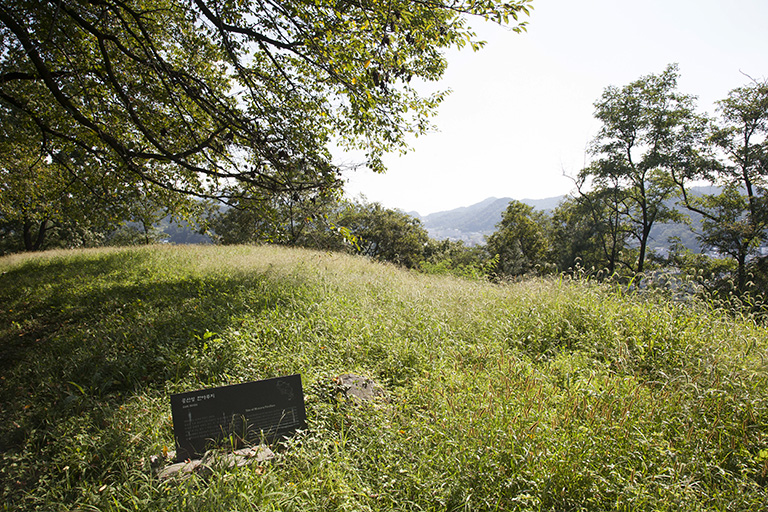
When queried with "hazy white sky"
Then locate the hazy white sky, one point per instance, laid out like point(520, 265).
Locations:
point(520, 114)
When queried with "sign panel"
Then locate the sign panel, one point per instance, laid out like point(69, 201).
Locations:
point(253, 411)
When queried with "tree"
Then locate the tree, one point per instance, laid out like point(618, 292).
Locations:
point(55, 193)
point(649, 132)
point(30, 194)
point(191, 96)
point(291, 219)
point(38, 197)
point(587, 231)
point(325, 222)
point(735, 219)
point(385, 234)
point(520, 239)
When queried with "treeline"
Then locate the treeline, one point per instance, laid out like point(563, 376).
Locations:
point(652, 150)
point(655, 160)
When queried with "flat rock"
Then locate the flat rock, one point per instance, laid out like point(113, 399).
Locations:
point(180, 469)
point(204, 467)
point(359, 388)
point(245, 456)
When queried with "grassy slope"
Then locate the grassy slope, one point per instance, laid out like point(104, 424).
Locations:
point(538, 395)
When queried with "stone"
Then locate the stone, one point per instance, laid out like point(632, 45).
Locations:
point(204, 467)
point(180, 469)
point(245, 456)
point(359, 388)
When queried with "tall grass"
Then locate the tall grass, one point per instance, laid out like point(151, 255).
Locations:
point(540, 395)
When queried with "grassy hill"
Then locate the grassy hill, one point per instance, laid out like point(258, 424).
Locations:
point(538, 395)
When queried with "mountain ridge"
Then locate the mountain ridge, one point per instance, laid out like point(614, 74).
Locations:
point(472, 224)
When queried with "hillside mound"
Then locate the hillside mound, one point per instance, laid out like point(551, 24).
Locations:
point(542, 394)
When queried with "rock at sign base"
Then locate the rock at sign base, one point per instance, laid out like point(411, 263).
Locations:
point(203, 467)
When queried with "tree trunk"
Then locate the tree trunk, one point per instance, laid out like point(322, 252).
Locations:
point(34, 243)
point(26, 235)
point(741, 272)
point(643, 248)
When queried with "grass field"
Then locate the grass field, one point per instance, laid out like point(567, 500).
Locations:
point(540, 395)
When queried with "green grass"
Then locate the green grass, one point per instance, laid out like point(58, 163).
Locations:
point(540, 395)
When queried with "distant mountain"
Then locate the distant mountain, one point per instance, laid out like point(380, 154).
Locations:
point(181, 232)
point(472, 224)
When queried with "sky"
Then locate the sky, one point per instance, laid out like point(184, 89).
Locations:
point(520, 115)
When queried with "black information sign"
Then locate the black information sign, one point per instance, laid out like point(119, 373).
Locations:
point(265, 409)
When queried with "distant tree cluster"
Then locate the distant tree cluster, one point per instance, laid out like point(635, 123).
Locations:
point(330, 224)
point(655, 150)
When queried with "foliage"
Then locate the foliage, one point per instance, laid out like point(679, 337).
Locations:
point(735, 220)
point(291, 219)
point(649, 132)
point(653, 146)
point(520, 240)
point(384, 234)
point(44, 203)
point(448, 257)
point(167, 97)
point(545, 394)
point(324, 222)
point(587, 231)
point(36, 195)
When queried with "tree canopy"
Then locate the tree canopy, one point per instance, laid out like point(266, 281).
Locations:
point(385, 234)
point(520, 239)
point(650, 131)
point(195, 96)
point(735, 219)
